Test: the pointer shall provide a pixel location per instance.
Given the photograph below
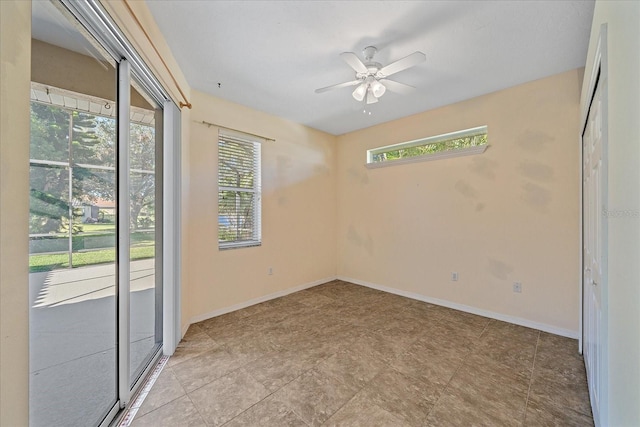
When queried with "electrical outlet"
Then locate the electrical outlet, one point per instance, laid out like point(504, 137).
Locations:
point(517, 287)
point(454, 276)
point(270, 273)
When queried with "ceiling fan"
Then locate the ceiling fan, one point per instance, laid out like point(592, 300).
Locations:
point(371, 77)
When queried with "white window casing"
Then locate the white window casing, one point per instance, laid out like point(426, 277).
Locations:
point(239, 190)
point(476, 143)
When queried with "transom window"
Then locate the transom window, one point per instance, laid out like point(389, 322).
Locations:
point(239, 212)
point(454, 144)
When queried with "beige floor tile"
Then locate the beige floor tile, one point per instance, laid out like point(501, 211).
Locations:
point(540, 414)
point(430, 363)
point(471, 322)
point(279, 369)
point(252, 347)
point(225, 398)
point(204, 368)
point(242, 328)
point(361, 412)
point(311, 299)
point(559, 354)
point(194, 328)
point(227, 319)
point(570, 391)
point(423, 310)
point(399, 334)
point(436, 373)
point(314, 397)
point(511, 345)
point(371, 343)
point(454, 410)
point(503, 331)
point(497, 390)
point(269, 412)
point(179, 412)
point(455, 332)
point(405, 397)
point(343, 354)
point(194, 343)
point(355, 369)
point(444, 342)
point(166, 389)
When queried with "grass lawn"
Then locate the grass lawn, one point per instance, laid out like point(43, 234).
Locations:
point(91, 228)
point(50, 262)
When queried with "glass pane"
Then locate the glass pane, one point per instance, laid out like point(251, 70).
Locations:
point(236, 216)
point(94, 216)
point(73, 363)
point(49, 132)
point(145, 203)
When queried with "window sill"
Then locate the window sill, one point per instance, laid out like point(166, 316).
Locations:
point(428, 157)
point(237, 245)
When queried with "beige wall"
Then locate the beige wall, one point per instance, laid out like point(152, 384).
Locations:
point(15, 52)
point(510, 214)
point(621, 387)
point(170, 74)
point(298, 209)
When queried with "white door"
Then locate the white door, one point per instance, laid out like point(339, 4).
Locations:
point(593, 216)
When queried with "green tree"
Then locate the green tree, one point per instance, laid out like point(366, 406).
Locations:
point(142, 185)
point(452, 144)
point(50, 204)
point(236, 207)
point(93, 143)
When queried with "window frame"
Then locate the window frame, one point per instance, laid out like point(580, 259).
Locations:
point(448, 153)
point(227, 135)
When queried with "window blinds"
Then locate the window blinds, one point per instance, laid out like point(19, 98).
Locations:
point(239, 213)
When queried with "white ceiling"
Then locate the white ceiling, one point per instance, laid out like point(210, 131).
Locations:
point(272, 55)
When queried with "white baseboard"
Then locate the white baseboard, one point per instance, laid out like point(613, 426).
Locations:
point(254, 301)
point(468, 309)
point(184, 329)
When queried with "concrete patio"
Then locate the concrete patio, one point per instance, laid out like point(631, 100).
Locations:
point(73, 355)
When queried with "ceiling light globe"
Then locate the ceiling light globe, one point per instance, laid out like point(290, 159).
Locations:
point(378, 89)
point(360, 92)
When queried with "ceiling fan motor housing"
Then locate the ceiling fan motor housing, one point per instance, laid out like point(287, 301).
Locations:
point(372, 70)
point(368, 52)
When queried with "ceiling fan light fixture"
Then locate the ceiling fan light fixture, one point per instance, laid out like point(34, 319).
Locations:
point(378, 89)
point(360, 92)
point(371, 98)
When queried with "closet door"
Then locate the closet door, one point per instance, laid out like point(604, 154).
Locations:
point(593, 237)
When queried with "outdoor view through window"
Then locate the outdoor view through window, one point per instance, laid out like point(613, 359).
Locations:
point(454, 143)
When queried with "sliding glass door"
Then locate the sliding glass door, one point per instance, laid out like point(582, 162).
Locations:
point(96, 221)
point(145, 202)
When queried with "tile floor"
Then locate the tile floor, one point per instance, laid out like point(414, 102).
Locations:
point(340, 354)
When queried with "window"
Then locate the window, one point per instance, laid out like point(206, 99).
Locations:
point(238, 190)
point(454, 144)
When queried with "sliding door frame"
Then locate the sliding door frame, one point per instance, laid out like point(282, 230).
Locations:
point(123, 283)
point(99, 25)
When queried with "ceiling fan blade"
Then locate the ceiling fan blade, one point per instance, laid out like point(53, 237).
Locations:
point(402, 64)
point(339, 85)
point(397, 87)
point(353, 61)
